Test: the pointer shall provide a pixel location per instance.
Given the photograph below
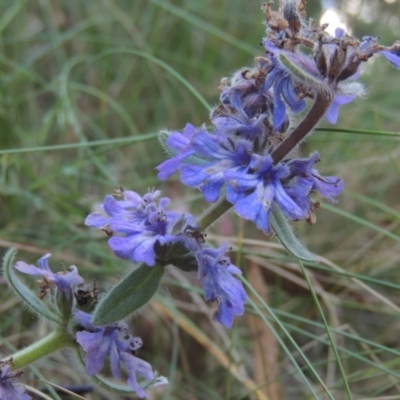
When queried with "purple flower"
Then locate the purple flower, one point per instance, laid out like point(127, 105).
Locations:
point(253, 193)
point(220, 154)
point(180, 143)
point(334, 68)
point(332, 114)
point(302, 171)
point(9, 389)
point(143, 223)
point(215, 153)
point(64, 280)
point(216, 273)
point(235, 119)
point(288, 184)
point(114, 341)
point(392, 55)
point(131, 207)
point(245, 85)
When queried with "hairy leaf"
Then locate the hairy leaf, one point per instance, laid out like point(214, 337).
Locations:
point(131, 293)
point(26, 294)
point(285, 234)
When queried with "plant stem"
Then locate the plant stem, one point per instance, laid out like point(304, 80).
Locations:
point(317, 111)
point(214, 212)
point(54, 341)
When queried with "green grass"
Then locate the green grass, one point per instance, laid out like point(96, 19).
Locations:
point(85, 87)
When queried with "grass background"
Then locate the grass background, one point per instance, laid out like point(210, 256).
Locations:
point(85, 87)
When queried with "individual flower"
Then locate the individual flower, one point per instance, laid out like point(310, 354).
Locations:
point(9, 389)
point(289, 184)
point(178, 144)
point(64, 280)
point(216, 273)
point(392, 54)
point(301, 173)
point(114, 341)
point(130, 206)
point(369, 46)
point(220, 154)
point(254, 193)
point(140, 226)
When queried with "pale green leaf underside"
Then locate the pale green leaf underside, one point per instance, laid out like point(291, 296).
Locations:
point(285, 234)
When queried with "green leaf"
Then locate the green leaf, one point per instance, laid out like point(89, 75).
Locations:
point(111, 385)
point(131, 293)
point(296, 70)
point(115, 387)
point(24, 292)
point(285, 234)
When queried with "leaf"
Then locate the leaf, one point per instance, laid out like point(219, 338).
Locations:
point(115, 387)
point(23, 291)
point(296, 70)
point(163, 138)
point(285, 234)
point(111, 385)
point(131, 293)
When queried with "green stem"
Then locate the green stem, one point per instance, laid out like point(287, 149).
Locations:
point(49, 344)
point(214, 212)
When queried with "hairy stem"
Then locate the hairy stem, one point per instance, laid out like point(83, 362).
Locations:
point(317, 111)
point(49, 344)
point(214, 212)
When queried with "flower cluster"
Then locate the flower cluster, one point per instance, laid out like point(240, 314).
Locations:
point(149, 230)
point(9, 389)
point(97, 341)
point(249, 149)
point(238, 154)
point(140, 223)
point(246, 159)
point(333, 68)
point(113, 341)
